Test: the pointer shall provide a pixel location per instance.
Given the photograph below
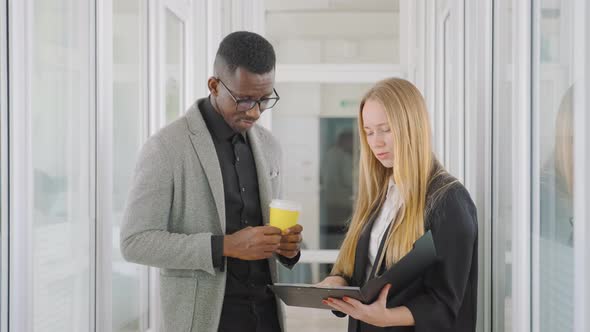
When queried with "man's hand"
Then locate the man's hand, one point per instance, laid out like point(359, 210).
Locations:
point(290, 242)
point(252, 243)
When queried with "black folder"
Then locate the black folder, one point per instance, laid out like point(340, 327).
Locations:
point(407, 269)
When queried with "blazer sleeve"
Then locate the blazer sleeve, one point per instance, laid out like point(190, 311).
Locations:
point(144, 236)
point(454, 230)
point(288, 262)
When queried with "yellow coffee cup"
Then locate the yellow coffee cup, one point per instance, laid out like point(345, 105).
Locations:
point(284, 213)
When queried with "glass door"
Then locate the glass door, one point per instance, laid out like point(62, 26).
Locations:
point(129, 129)
point(553, 167)
point(52, 155)
point(175, 37)
point(449, 115)
point(325, 64)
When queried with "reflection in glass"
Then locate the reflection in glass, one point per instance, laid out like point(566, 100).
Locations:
point(174, 78)
point(554, 98)
point(60, 178)
point(129, 80)
point(336, 178)
point(557, 224)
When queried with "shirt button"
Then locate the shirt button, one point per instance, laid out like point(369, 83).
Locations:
point(243, 189)
point(245, 221)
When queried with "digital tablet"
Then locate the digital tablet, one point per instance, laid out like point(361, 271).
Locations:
point(406, 270)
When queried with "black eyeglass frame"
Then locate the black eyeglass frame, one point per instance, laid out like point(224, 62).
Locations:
point(251, 103)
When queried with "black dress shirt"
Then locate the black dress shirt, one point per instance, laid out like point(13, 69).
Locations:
point(246, 290)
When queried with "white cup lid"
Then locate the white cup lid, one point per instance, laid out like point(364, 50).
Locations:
point(285, 204)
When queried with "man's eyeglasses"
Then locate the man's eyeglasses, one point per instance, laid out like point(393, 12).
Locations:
point(244, 105)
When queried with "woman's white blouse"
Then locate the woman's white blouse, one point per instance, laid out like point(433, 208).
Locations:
point(387, 214)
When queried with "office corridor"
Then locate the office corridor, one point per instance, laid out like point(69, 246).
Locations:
point(85, 83)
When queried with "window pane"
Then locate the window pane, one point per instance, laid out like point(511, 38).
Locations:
point(334, 31)
point(503, 139)
point(61, 132)
point(174, 66)
point(320, 166)
point(130, 290)
point(554, 139)
point(337, 136)
point(3, 174)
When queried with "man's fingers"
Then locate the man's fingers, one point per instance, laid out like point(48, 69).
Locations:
point(272, 239)
point(294, 230)
point(270, 230)
point(295, 238)
point(270, 247)
point(289, 246)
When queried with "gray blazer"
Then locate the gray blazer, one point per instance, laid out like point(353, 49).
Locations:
point(176, 203)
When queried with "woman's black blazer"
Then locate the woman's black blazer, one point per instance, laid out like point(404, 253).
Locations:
point(445, 297)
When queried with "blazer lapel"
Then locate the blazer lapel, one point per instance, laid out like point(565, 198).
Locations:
point(263, 173)
point(362, 252)
point(379, 252)
point(205, 150)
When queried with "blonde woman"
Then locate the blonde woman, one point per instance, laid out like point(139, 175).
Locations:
point(404, 191)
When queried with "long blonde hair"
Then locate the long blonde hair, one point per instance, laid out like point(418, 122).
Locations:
point(414, 166)
point(564, 133)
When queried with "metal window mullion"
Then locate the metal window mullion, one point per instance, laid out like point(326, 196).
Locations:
point(478, 131)
point(103, 165)
point(20, 266)
point(535, 164)
point(152, 126)
point(4, 171)
point(521, 165)
point(145, 298)
point(581, 30)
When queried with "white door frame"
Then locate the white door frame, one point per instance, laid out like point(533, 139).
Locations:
point(439, 119)
point(470, 98)
point(521, 166)
point(20, 203)
point(478, 140)
point(105, 170)
point(200, 49)
point(183, 10)
point(449, 115)
point(104, 164)
point(4, 174)
point(581, 52)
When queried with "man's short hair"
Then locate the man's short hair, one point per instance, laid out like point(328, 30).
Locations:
point(247, 50)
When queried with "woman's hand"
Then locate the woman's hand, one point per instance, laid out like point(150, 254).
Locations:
point(332, 281)
point(375, 314)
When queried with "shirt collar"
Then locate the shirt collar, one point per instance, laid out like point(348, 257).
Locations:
point(216, 123)
point(391, 188)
